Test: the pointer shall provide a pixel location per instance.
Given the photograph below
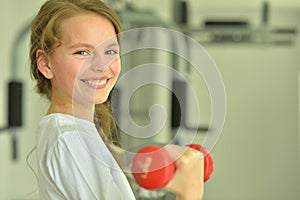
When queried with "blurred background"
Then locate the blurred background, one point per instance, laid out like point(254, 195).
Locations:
point(256, 47)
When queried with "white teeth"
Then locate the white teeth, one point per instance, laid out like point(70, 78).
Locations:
point(96, 83)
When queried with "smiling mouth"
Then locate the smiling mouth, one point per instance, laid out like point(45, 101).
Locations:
point(96, 84)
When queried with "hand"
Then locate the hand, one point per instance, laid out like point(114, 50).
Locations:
point(187, 182)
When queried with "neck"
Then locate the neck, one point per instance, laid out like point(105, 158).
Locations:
point(74, 109)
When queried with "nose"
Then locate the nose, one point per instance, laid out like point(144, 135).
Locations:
point(99, 68)
point(99, 63)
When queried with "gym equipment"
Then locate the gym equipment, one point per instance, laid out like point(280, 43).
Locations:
point(152, 166)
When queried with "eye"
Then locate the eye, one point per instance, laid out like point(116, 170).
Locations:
point(111, 52)
point(84, 53)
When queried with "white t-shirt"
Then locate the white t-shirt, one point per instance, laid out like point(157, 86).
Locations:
point(74, 163)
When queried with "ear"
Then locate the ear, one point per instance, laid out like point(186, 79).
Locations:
point(43, 64)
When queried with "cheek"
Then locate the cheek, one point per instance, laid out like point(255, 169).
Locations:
point(66, 75)
point(116, 67)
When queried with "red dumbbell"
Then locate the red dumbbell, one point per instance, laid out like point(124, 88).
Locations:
point(152, 166)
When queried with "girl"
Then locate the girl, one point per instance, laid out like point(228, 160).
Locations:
point(76, 158)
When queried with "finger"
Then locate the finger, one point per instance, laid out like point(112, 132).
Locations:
point(176, 152)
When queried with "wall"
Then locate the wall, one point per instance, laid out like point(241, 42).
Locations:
point(257, 155)
point(17, 180)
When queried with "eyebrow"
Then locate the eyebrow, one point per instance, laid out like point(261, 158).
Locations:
point(77, 45)
point(89, 46)
point(114, 44)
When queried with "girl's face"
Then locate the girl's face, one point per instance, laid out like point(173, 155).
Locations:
point(86, 65)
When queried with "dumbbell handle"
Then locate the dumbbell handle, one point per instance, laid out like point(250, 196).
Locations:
point(153, 168)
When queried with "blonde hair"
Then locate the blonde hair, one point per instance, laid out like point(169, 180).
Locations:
point(45, 35)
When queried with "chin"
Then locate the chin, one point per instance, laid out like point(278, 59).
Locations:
point(101, 99)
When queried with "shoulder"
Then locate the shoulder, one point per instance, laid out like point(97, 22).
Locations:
point(57, 124)
point(59, 130)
